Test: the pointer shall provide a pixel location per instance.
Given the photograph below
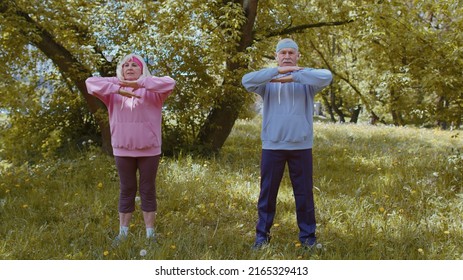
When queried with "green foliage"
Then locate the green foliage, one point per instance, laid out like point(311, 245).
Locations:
point(400, 61)
point(49, 125)
point(380, 192)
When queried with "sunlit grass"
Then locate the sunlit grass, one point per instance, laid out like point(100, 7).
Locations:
point(380, 193)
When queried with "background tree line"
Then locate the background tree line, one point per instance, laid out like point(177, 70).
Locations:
point(394, 62)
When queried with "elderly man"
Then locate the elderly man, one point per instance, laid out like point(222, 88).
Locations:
point(287, 137)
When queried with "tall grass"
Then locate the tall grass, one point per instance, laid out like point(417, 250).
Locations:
point(380, 193)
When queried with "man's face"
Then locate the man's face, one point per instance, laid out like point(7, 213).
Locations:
point(287, 57)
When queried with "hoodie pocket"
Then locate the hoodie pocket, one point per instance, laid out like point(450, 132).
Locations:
point(283, 128)
point(134, 136)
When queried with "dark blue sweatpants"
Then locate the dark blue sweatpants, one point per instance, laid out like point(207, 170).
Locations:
point(300, 167)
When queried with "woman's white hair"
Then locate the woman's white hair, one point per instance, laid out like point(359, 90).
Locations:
point(119, 73)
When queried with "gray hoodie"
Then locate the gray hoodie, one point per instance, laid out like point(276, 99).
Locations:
point(288, 107)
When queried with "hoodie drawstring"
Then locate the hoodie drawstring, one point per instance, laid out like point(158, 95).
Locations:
point(279, 94)
point(124, 99)
point(293, 94)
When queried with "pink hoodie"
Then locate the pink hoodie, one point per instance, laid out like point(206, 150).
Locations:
point(135, 122)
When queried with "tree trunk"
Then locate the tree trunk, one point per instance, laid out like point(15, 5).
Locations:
point(335, 107)
point(395, 113)
point(222, 117)
point(328, 108)
point(441, 106)
point(355, 114)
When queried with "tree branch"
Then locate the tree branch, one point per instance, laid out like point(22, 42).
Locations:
point(250, 11)
point(303, 27)
point(68, 65)
point(345, 79)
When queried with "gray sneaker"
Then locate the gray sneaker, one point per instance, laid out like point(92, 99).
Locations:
point(259, 244)
point(151, 240)
point(118, 240)
point(312, 245)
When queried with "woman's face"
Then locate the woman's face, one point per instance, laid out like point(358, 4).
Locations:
point(131, 70)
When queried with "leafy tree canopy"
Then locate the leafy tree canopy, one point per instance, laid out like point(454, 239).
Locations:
point(395, 62)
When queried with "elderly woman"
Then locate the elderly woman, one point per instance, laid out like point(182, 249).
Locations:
point(134, 100)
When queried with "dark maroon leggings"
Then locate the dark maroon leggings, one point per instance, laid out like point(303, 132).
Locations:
point(147, 168)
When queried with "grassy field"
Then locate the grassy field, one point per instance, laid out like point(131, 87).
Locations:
point(380, 193)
